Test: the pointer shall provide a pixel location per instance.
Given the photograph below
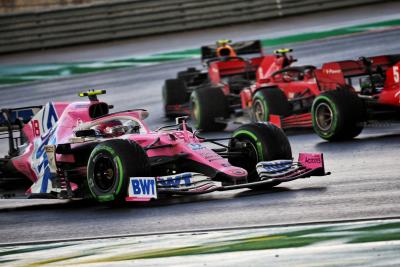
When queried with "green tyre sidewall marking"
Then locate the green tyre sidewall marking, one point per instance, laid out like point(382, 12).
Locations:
point(261, 98)
point(259, 147)
point(117, 160)
point(332, 130)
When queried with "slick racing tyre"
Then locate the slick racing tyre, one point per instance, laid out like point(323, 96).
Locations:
point(207, 105)
point(110, 166)
point(268, 101)
point(338, 115)
point(174, 92)
point(260, 141)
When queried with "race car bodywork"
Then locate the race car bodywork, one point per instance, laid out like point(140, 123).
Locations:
point(79, 150)
point(336, 99)
point(368, 92)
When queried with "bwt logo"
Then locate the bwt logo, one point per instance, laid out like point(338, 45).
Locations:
point(175, 181)
point(143, 187)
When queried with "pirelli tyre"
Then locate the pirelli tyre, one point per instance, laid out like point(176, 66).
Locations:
point(208, 107)
point(338, 115)
point(261, 141)
point(267, 101)
point(174, 92)
point(110, 166)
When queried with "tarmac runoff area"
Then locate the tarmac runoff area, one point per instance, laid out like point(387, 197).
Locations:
point(366, 243)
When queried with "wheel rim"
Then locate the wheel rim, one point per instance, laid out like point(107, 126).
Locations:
point(104, 173)
point(251, 157)
point(252, 154)
point(324, 116)
point(259, 111)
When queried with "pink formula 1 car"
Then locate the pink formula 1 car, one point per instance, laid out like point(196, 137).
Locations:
point(80, 150)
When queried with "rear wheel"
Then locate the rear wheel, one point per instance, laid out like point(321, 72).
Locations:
point(174, 92)
point(267, 101)
point(259, 142)
point(338, 115)
point(206, 106)
point(110, 166)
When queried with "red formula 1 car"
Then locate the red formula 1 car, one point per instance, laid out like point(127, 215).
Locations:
point(210, 96)
point(79, 149)
point(336, 99)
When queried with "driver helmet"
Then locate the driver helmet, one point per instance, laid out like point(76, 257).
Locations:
point(308, 73)
point(113, 128)
point(224, 49)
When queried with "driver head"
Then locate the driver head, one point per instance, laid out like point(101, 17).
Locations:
point(113, 128)
point(223, 42)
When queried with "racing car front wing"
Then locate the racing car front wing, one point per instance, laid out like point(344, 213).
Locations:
point(270, 173)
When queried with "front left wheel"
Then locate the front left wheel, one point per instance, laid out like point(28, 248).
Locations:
point(110, 166)
point(269, 101)
point(258, 142)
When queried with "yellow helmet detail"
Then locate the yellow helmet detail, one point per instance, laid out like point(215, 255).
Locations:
point(223, 42)
point(92, 93)
point(283, 51)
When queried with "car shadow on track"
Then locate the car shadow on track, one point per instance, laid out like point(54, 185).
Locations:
point(227, 197)
point(298, 131)
point(360, 142)
point(269, 193)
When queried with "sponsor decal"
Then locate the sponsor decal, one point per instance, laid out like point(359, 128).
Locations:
point(44, 123)
point(204, 152)
point(331, 71)
point(176, 180)
point(311, 160)
point(142, 187)
point(196, 146)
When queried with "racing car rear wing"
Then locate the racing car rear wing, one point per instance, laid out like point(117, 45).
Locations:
point(241, 48)
point(362, 66)
point(11, 121)
point(15, 115)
